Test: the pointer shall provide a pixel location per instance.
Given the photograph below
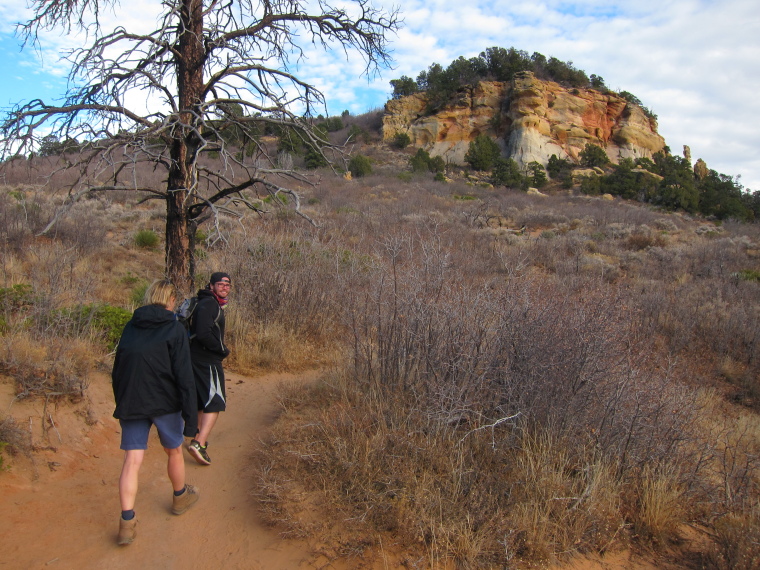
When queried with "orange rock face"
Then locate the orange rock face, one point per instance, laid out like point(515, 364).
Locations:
point(530, 119)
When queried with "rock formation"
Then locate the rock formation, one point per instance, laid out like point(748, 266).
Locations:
point(529, 118)
point(700, 169)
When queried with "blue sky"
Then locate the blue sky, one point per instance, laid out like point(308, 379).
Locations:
point(695, 63)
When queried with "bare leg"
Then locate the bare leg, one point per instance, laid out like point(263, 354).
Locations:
point(176, 468)
point(133, 459)
point(206, 422)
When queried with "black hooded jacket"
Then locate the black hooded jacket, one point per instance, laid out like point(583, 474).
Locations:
point(152, 374)
point(207, 329)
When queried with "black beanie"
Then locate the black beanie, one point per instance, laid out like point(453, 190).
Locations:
point(216, 277)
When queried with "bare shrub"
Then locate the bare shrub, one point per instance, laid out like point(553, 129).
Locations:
point(490, 420)
point(13, 437)
point(84, 227)
point(644, 238)
point(737, 544)
point(52, 368)
point(371, 121)
point(285, 309)
point(23, 213)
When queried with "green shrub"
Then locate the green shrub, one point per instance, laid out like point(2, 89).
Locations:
point(15, 297)
point(355, 132)
point(290, 141)
point(129, 279)
point(401, 140)
point(314, 159)
point(281, 198)
point(146, 239)
point(108, 320)
point(537, 174)
point(439, 177)
point(333, 124)
point(436, 164)
point(593, 155)
point(506, 172)
point(558, 168)
point(482, 153)
point(420, 162)
point(138, 294)
point(591, 185)
point(748, 275)
point(105, 321)
point(360, 166)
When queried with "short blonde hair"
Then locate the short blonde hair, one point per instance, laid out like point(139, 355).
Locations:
point(160, 292)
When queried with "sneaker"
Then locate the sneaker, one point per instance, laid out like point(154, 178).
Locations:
point(127, 531)
point(199, 452)
point(186, 500)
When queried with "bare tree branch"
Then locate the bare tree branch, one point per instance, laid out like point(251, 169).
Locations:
point(213, 78)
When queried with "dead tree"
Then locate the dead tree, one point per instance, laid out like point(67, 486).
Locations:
point(214, 76)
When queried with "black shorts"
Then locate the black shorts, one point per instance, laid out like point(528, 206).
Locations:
point(209, 385)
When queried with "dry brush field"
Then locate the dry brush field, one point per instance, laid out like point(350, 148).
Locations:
point(493, 396)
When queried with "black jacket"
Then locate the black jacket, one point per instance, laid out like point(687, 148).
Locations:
point(152, 374)
point(207, 327)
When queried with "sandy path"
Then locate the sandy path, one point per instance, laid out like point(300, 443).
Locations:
point(62, 512)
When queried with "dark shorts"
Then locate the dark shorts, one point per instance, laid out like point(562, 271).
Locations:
point(209, 384)
point(134, 433)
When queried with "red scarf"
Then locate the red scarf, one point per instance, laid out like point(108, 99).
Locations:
point(222, 302)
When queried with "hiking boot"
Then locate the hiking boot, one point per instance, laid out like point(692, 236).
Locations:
point(127, 531)
point(199, 452)
point(184, 501)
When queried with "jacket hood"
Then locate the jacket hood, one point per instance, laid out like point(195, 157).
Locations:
point(152, 316)
point(205, 293)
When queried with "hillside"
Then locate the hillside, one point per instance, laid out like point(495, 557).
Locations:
point(533, 119)
point(511, 379)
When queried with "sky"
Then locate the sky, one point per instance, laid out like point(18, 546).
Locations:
point(694, 63)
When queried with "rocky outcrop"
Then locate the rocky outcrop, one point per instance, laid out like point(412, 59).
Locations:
point(531, 119)
point(700, 169)
point(449, 131)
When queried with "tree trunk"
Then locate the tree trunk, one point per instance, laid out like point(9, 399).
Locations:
point(182, 180)
point(179, 254)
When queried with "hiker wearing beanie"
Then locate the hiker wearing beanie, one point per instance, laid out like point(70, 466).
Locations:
point(153, 385)
point(207, 350)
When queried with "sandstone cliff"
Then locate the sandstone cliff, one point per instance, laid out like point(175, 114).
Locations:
point(530, 119)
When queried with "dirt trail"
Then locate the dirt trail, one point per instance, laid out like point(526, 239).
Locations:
point(62, 510)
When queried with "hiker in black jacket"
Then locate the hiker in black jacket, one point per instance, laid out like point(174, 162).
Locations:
point(207, 350)
point(153, 385)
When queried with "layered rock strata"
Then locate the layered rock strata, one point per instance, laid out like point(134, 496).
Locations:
point(531, 119)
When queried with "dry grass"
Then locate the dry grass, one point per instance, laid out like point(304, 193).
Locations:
point(504, 397)
point(53, 368)
point(661, 508)
point(737, 540)
point(13, 438)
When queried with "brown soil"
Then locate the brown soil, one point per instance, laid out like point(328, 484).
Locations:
point(59, 507)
